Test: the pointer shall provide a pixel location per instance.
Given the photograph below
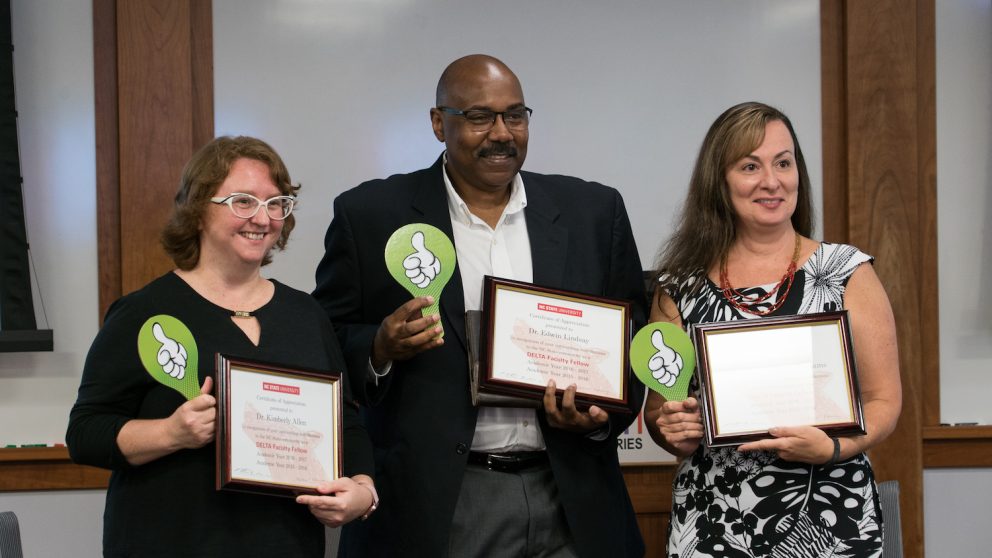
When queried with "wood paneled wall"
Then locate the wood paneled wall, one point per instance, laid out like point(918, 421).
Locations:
point(153, 61)
point(30, 469)
point(879, 171)
point(650, 488)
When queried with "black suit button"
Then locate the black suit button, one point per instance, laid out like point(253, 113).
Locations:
point(461, 449)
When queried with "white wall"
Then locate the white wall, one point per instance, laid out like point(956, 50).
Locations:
point(956, 513)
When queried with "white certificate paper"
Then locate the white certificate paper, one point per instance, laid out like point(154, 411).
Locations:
point(781, 375)
point(762, 379)
point(538, 338)
point(282, 428)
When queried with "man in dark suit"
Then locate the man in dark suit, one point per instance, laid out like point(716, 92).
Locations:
point(457, 480)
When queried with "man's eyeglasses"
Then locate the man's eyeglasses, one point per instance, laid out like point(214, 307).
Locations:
point(482, 120)
point(246, 206)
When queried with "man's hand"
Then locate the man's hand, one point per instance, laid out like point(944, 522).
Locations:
point(422, 266)
point(681, 425)
point(568, 417)
point(192, 425)
point(404, 333)
point(171, 355)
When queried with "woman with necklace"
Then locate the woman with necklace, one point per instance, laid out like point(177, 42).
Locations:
point(742, 250)
point(234, 206)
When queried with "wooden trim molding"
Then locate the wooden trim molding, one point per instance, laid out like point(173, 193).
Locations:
point(957, 446)
point(879, 135)
point(650, 486)
point(926, 159)
point(833, 113)
point(25, 469)
point(153, 63)
point(108, 207)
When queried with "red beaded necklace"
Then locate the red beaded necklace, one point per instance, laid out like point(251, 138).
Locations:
point(741, 302)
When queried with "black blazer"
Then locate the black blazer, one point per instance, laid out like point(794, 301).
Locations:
point(420, 416)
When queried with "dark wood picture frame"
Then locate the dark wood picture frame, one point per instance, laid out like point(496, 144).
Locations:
point(492, 286)
point(701, 335)
point(225, 478)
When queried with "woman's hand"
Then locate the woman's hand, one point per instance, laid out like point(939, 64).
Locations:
point(192, 425)
point(341, 500)
point(801, 444)
point(676, 426)
point(679, 425)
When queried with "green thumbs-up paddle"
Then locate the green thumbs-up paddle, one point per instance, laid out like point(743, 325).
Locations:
point(422, 259)
point(663, 357)
point(168, 352)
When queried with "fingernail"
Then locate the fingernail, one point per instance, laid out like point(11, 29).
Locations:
point(430, 299)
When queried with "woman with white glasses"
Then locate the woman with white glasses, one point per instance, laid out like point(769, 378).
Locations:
point(234, 206)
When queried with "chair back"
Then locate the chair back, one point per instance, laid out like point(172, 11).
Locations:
point(888, 494)
point(10, 536)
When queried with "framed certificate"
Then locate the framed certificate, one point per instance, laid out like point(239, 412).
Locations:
point(533, 334)
point(782, 371)
point(278, 428)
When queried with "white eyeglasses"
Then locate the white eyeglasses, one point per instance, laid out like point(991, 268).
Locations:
point(246, 206)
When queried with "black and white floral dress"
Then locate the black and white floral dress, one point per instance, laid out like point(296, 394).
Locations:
point(732, 504)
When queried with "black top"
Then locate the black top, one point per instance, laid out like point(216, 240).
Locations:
point(169, 507)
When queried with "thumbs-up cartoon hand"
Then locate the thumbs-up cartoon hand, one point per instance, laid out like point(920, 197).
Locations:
point(666, 364)
point(171, 355)
point(421, 266)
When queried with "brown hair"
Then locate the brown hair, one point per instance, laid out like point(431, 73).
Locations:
point(202, 177)
point(706, 227)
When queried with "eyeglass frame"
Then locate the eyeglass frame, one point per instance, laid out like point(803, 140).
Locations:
point(228, 200)
point(501, 114)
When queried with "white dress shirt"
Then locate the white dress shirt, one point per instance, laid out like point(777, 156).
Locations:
point(503, 251)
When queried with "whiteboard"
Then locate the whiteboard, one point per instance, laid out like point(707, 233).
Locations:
point(622, 92)
point(964, 209)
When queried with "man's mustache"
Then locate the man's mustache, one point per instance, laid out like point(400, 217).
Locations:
point(505, 149)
